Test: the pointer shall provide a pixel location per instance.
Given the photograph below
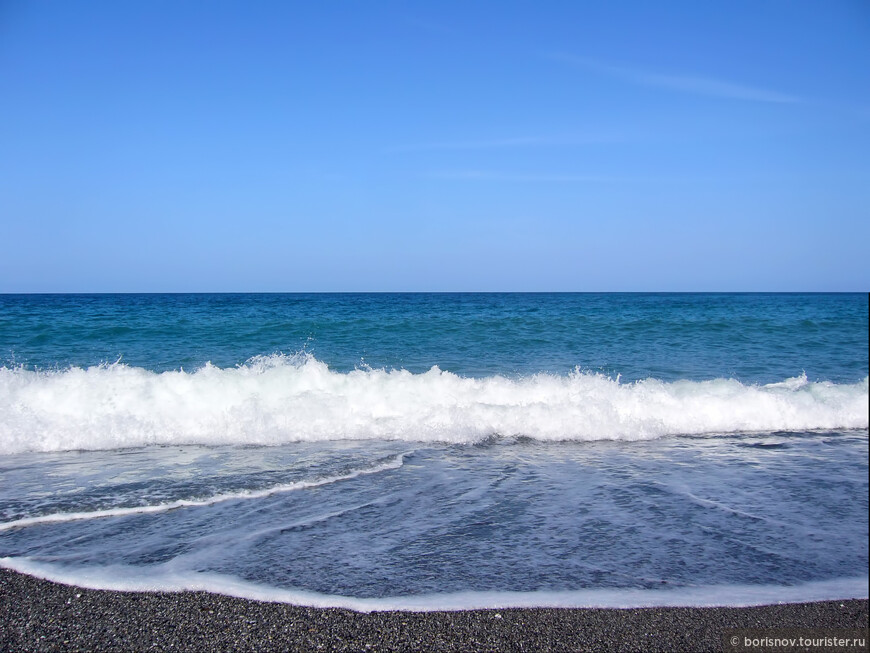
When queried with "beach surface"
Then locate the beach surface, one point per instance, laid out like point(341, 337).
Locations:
point(41, 615)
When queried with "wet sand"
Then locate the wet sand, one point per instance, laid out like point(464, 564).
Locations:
point(40, 615)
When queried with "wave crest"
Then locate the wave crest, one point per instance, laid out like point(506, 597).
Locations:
point(278, 399)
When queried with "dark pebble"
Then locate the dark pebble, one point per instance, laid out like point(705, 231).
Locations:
point(36, 615)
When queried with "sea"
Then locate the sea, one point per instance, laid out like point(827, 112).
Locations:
point(439, 451)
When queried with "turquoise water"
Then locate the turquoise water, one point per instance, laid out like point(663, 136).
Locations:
point(424, 450)
point(751, 337)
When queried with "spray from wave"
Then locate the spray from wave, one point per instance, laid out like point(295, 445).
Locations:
point(278, 399)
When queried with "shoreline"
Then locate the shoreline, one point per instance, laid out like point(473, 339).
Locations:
point(36, 614)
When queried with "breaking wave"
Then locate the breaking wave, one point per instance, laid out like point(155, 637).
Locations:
point(278, 399)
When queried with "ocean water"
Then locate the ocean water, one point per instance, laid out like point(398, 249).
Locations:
point(426, 451)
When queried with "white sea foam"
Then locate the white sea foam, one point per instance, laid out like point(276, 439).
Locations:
point(393, 463)
point(165, 579)
point(278, 399)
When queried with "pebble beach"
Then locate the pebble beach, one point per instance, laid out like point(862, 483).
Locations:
point(38, 615)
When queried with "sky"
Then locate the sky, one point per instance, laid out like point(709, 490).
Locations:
point(213, 146)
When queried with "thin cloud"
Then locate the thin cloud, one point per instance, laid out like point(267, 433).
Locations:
point(492, 175)
point(505, 143)
point(684, 83)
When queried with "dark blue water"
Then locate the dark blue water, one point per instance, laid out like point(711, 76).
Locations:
point(750, 337)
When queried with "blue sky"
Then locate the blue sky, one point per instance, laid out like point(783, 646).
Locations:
point(391, 146)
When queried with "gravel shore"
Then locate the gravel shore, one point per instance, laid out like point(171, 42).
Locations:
point(45, 616)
